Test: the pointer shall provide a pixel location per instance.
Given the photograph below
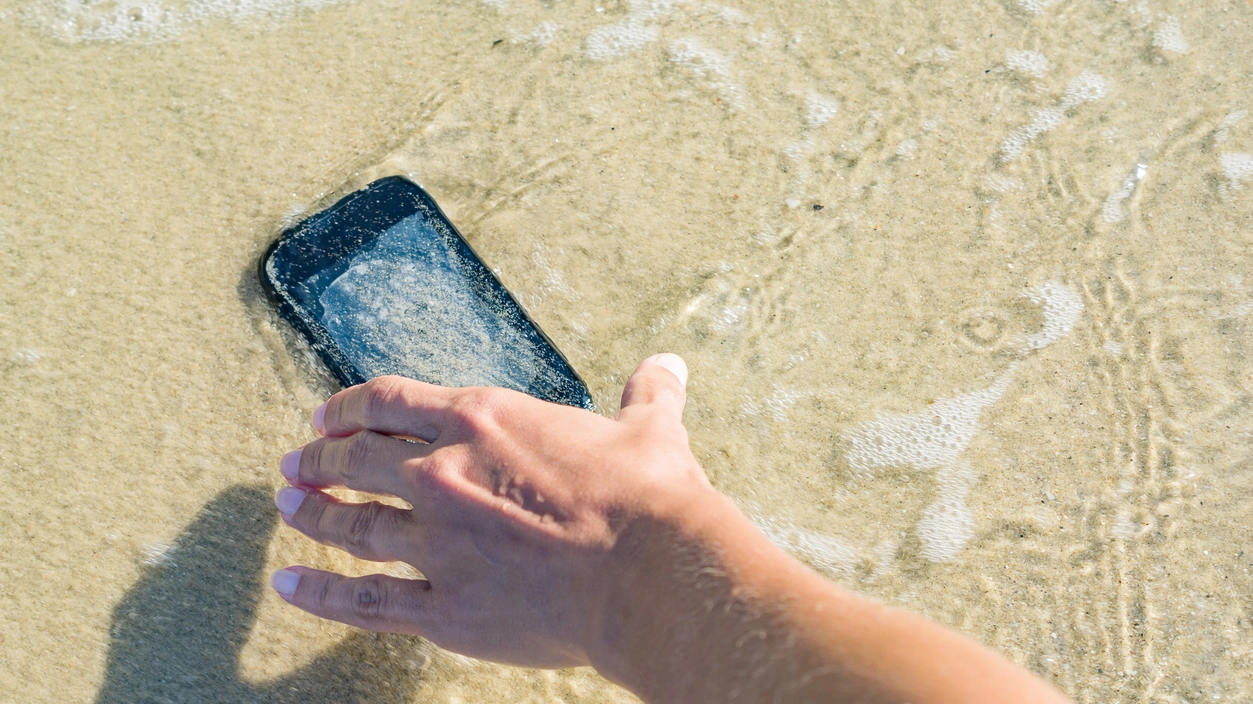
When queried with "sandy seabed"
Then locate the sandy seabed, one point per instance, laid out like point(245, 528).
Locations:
point(965, 289)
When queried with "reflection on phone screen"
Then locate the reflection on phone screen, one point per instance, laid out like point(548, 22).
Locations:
point(404, 306)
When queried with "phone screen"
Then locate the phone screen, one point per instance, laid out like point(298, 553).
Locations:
point(381, 283)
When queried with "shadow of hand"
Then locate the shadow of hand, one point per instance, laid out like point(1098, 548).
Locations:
point(176, 636)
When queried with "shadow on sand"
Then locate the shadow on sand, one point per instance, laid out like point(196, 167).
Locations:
point(176, 636)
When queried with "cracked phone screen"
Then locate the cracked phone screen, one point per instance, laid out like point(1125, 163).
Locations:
point(404, 305)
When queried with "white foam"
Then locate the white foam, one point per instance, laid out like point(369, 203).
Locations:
point(820, 109)
point(1237, 166)
point(152, 20)
point(1085, 88)
point(1032, 63)
point(1063, 306)
point(733, 15)
point(1111, 211)
point(885, 555)
point(542, 35)
point(27, 354)
point(796, 151)
point(1169, 37)
point(930, 439)
point(777, 404)
point(1125, 527)
point(1001, 183)
point(907, 149)
point(635, 31)
point(1036, 7)
point(159, 554)
point(948, 523)
point(1113, 348)
point(933, 439)
point(825, 553)
point(1232, 119)
point(709, 66)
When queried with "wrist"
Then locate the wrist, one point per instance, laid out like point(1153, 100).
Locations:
point(666, 570)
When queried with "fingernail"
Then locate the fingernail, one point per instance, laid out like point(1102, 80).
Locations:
point(319, 418)
point(290, 464)
point(284, 582)
point(674, 364)
point(288, 499)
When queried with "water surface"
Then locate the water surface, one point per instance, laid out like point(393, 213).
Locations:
point(964, 289)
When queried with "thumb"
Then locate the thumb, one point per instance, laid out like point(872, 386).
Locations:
point(659, 382)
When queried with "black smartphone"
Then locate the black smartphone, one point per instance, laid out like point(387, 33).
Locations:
point(382, 283)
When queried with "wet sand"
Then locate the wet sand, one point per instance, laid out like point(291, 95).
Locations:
point(964, 290)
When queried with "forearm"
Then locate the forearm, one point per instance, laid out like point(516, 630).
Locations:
point(707, 610)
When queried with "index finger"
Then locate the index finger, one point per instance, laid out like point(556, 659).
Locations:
point(389, 405)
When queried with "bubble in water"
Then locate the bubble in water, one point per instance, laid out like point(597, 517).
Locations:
point(1085, 88)
point(542, 35)
point(1032, 63)
point(709, 66)
point(1036, 7)
point(825, 553)
point(1062, 306)
point(947, 524)
point(931, 439)
point(1169, 37)
point(819, 109)
point(1223, 132)
point(158, 554)
point(148, 20)
point(1111, 211)
point(1237, 166)
point(634, 32)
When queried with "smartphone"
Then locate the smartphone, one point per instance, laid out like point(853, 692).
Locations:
point(382, 283)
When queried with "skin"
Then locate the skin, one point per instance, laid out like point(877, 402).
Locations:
point(552, 537)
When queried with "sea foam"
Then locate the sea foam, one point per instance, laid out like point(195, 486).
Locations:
point(151, 20)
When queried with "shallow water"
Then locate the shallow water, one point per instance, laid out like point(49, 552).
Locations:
point(964, 289)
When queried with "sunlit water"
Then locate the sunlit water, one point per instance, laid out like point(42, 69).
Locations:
point(965, 290)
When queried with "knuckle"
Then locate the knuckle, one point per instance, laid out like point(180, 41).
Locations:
point(358, 534)
point(478, 409)
point(381, 395)
point(355, 453)
point(368, 599)
point(439, 471)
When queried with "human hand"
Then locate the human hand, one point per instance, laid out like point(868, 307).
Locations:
point(550, 536)
point(520, 509)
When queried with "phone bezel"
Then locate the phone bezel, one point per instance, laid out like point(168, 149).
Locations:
point(330, 237)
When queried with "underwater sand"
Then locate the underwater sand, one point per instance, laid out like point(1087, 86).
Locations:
point(965, 290)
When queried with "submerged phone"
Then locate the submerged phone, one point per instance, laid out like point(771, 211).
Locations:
point(382, 283)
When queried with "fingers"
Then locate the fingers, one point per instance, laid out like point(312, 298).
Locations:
point(390, 405)
point(369, 531)
point(365, 461)
point(376, 602)
point(659, 383)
